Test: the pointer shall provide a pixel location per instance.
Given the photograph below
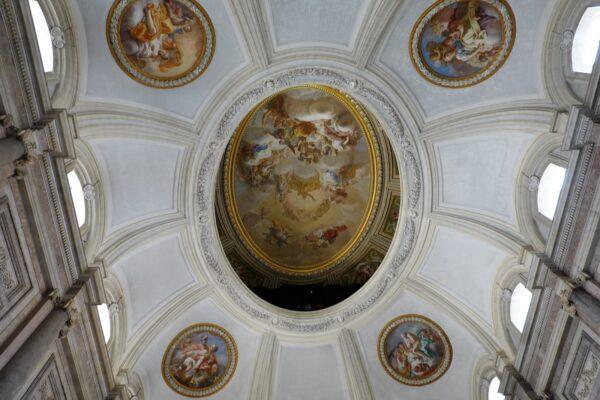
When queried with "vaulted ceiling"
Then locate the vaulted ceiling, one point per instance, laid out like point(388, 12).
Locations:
point(151, 152)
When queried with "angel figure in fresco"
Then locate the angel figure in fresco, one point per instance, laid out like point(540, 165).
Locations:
point(207, 368)
point(199, 362)
point(365, 270)
point(176, 12)
point(324, 237)
point(466, 36)
point(277, 234)
point(304, 186)
point(153, 34)
point(256, 163)
point(416, 355)
point(309, 141)
point(340, 134)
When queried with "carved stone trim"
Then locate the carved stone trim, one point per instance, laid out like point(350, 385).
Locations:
point(15, 32)
point(579, 128)
point(47, 385)
point(354, 364)
point(218, 265)
point(58, 37)
point(581, 376)
point(265, 367)
point(573, 204)
point(566, 304)
point(14, 277)
point(6, 277)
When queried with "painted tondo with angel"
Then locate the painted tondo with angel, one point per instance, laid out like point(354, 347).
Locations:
point(458, 41)
point(414, 350)
point(168, 41)
point(200, 360)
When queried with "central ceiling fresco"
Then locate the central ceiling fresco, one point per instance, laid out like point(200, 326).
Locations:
point(309, 197)
point(302, 179)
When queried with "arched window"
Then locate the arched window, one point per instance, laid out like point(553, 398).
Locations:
point(585, 42)
point(44, 38)
point(519, 306)
point(78, 197)
point(493, 393)
point(104, 321)
point(549, 189)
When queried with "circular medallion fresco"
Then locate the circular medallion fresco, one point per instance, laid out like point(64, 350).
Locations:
point(161, 43)
point(414, 350)
point(459, 43)
point(302, 178)
point(200, 360)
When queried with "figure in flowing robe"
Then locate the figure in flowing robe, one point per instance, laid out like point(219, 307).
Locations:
point(466, 37)
point(153, 36)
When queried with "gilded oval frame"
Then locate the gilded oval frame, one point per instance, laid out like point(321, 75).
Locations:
point(416, 55)
point(382, 341)
point(232, 353)
point(376, 182)
point(113, 24)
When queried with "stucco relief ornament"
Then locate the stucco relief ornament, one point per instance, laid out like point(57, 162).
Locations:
point(459, 43)
point(89, 192)
point(484, 384)
point(5, 275)
point(414, 350)
point(566, 41)
point(302, 229)
point(533, 184)
point(506, 295)
point(161, 43)
point(57, 35)
point(200, 360)
point(217, 263)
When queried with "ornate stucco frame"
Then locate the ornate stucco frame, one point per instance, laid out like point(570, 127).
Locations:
point(222, 381)
point(508, 40)
point(113, 24)
point(372, 206)
point(442, 368)
point(216, 263)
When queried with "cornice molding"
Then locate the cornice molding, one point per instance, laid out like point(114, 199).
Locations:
point(249, 17)
point(375, 25)
point(306, 50)
point(137, 342)
point(354, 365)
point(530, 117)
point(137, 235)
point(264, 368)
point(480, 329)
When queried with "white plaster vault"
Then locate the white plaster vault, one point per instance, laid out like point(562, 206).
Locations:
point(154, 156)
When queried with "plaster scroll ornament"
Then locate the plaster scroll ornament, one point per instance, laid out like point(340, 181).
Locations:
point(414, 350)
point(113, 309)
point(484, 384)
point(57, 36)
point(567, 40)
point(506, 295)
point(460, 43)
point(161, 43)
point(89, 192)
point(533, 184)
point(200, 360)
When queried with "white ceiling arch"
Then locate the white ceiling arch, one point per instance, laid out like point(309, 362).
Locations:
point(468, 147)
